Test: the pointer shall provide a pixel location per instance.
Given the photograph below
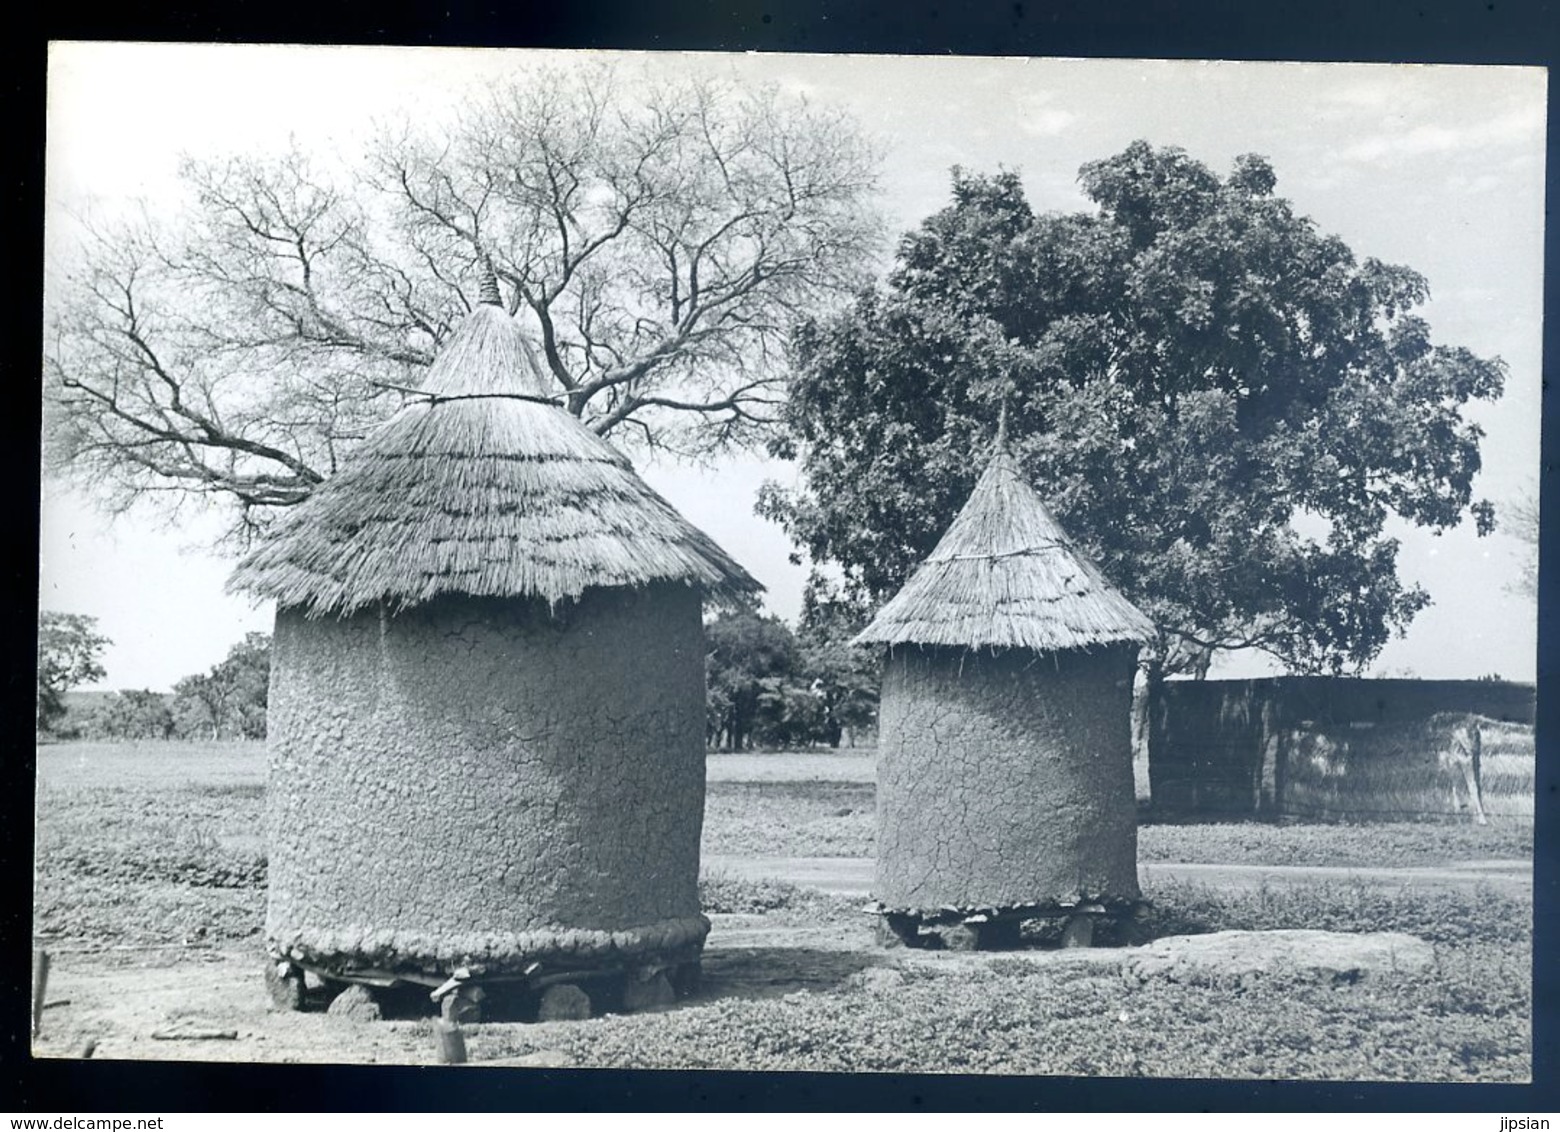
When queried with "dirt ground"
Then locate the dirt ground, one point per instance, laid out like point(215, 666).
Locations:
point(121, 1001)
point(150, 897)
point(821, 996)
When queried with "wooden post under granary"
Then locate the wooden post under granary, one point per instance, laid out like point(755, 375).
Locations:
point(40, 989)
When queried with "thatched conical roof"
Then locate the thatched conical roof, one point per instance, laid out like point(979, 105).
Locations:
point(482, 487)
point(1006, 575)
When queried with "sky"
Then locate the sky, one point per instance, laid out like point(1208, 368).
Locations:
point(1437, 167)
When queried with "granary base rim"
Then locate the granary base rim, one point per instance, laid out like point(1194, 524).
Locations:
point(495, 952)
point(1105, 903)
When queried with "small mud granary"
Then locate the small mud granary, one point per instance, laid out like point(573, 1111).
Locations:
point(1004, 755)
point(486, 721)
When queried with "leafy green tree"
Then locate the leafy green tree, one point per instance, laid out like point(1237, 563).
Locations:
point(199, 707)
point(230, 699)
point(747, 656)
point(845, 679)
point(246, 673)
point(787, 714)
point(768, 686)
point(70, 652)
point(771, 687)
point(1221, 404)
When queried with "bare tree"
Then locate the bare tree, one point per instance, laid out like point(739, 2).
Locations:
point(656, 241)
point(234, 350)
point(1519, 519)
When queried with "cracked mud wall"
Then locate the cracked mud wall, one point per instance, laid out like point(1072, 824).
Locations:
point(1005, 779)
point(478, 780)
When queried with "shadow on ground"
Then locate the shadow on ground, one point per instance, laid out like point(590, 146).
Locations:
point(772, 972)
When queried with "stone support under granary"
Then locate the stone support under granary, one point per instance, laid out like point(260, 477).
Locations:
point(1005, 778)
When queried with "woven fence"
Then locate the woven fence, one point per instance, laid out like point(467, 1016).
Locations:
point(1315, 748)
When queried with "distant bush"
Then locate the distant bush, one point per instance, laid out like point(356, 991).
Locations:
point(227, 702)
point(131, 714)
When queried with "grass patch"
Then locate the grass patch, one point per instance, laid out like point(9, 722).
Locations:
point(725, 895)
point(838, 819)
point(99, 912)
point(202, 836)
point(117, 866)
point(162, 847)
point(1381, 845)
point(783, 818)
point(1467, 1020)
point(790, 819)
point(150, 764)
point(1482, 916)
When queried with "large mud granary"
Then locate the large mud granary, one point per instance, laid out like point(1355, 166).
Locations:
point(1004, 757)
point(487, 705)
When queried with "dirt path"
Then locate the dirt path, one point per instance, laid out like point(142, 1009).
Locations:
point(814, 766)
point(852, 876)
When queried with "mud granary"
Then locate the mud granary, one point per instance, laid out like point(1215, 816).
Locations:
point(486, 722)
point(1004, 756)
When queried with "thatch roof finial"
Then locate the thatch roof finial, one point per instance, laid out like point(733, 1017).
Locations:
point(1000, 443)
point(489, 292)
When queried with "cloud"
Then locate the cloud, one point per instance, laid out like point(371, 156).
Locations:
point(1366, 96)
point(1047, 123)
point(1035, 113)
point(1478, 183)
point(1520, 126)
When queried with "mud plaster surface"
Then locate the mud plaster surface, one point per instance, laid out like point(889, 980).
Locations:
point(1005, 779)
point(484, 781)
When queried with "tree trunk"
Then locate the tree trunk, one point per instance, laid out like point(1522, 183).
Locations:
point(1156, 724)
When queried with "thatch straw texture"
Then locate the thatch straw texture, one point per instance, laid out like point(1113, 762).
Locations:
point(1007, 576)
point(484, 489)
